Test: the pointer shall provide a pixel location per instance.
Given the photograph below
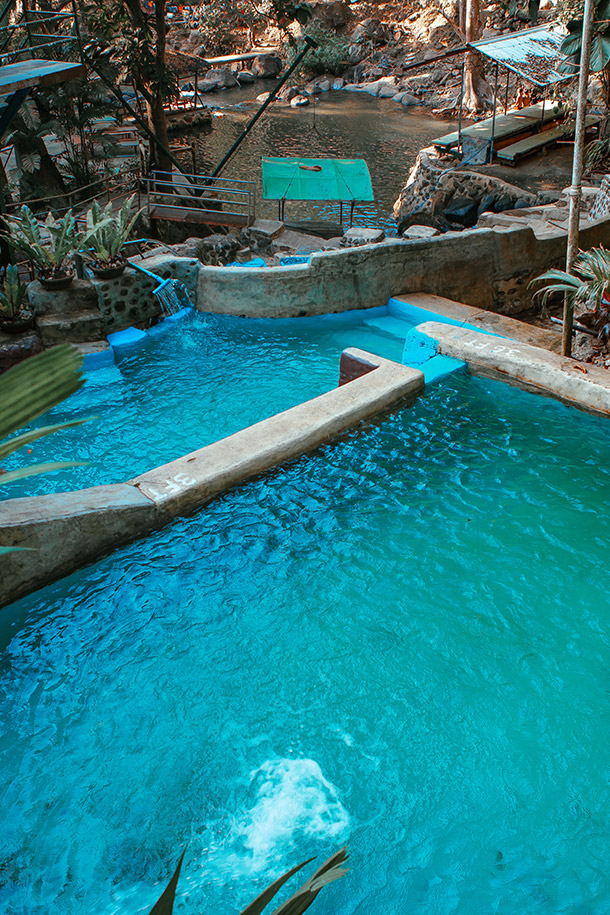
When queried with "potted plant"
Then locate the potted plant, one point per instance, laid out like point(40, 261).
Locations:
point(106, 235)
point(14, 318)
point(49, 254)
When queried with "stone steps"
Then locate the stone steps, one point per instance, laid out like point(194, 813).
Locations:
point(74, 328)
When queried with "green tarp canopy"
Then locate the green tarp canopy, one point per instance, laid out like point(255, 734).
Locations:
point(316, 179)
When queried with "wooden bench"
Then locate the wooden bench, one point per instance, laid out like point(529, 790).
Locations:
point(506, 125)
point(510, 155)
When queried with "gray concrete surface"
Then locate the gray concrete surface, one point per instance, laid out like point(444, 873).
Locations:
point(488, 321)
point(485, 268)
point(522, 365)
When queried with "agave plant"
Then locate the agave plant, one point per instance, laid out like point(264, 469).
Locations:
point(48, 254)
point(588, 289)
point(297, 904)
point(107, 233)
point(12, 295)
point(27, 391)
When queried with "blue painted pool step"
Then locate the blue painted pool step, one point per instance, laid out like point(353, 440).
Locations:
point(392, 326)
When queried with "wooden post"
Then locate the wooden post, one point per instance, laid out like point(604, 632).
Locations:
point(493, 122)
point(461, 107)
point(575, 191)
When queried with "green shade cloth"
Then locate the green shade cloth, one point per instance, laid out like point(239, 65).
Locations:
point(322, 179)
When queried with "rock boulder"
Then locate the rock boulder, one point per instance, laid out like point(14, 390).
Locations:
point(433, 193)
point(266, 66)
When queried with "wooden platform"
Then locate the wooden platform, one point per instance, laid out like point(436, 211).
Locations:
point(30, 73)
point(190, 214)
point(510, 155)
point(523, 120)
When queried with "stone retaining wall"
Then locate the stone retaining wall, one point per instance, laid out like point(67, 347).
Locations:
point(485, 268)
point(122, 302)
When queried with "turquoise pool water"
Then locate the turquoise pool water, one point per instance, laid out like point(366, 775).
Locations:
point(400, 642)
point(204, 378)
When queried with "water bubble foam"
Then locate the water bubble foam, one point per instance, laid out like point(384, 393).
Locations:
point(290, 803)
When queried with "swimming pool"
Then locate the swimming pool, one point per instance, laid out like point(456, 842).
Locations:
point(200, 380)
point(400, 642)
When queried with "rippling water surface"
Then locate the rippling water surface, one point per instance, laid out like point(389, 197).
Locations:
point(400, 642)
point(205, 378)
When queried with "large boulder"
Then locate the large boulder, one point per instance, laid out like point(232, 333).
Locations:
point(266, 66)
point(218, 250)
point(435, 196)
point(217, 78)
point(331, 14)
point(371, 30)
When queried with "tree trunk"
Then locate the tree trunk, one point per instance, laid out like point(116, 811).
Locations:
point(152, 91)
point(155, 115)
point(477, 93)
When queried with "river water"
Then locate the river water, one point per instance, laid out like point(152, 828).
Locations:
point(349, 125)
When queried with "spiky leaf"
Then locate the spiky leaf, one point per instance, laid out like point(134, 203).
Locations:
point(26, 438)
point(329, 871)
point(165, 904)
point(258, 904)
point(32, 387)
point(33, 469)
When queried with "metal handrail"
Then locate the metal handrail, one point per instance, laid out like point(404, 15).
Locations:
point(109, 192)
point(164, 190)
point(207, 179)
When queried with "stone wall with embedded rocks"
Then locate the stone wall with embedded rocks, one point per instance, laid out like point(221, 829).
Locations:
point(90, 309)
point(129, 299)
point(435, 189)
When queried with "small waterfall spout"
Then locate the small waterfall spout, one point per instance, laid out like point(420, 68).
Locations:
point(173, 296)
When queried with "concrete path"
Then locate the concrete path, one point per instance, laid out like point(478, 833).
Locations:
point(457, 313)
point(521, 365)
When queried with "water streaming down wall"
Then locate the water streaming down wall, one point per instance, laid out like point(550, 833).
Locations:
point(173, 297)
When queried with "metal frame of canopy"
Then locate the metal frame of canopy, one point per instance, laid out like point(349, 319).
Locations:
point(533, 54)
point(339, 180)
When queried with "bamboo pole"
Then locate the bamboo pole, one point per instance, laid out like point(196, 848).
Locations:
point(575, 191)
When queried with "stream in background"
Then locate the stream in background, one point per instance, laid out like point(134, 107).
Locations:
point(349, 125)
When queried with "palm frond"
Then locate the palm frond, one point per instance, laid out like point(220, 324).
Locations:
point(26, 438)
point(32, 387)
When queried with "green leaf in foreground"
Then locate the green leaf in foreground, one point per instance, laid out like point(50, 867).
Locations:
point(328, 872)
point(165, 903)
point(32, 387)
point(22, 472)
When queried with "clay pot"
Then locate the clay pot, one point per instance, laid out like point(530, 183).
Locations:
point(108, 273)
point(56, 283)
point(17, 325)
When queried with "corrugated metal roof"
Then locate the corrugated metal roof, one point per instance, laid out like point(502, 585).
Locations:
point(534, 54)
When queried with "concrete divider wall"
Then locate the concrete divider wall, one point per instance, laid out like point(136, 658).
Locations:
point(586, 387)
point(63, 532)
point(484, 268)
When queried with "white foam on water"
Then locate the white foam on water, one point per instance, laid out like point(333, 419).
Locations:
point(292, 804)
